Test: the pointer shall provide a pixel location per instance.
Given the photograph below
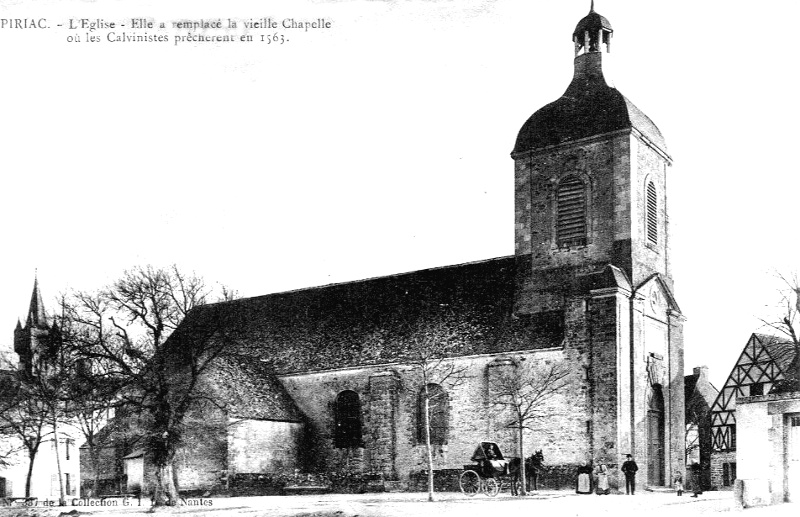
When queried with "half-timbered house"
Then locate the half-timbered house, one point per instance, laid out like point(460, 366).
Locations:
point(762, 363)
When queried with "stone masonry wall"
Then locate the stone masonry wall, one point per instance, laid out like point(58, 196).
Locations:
point(263, 446)
point(561, 435)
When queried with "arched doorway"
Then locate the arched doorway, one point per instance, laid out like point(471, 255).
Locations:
point(655, 437)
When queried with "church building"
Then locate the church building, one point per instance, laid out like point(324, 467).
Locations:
point(23, 430)
point(589, 287)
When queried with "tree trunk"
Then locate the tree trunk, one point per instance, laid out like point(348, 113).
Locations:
point(62, 500)
point(31, 459)
point(428, 445)
point(165, 492)
point(523, 489)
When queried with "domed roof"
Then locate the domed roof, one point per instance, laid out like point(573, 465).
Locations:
point(589, 107)
point(592, 22)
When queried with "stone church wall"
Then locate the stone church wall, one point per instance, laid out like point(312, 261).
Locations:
point(389, 398)
point(256, 446)
point(649, 258)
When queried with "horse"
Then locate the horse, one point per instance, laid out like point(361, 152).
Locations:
point(533, 466)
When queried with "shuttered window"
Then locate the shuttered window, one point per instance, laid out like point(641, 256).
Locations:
point(571, 213)
point(652, 213)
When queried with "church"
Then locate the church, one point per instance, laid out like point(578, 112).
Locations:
point(330, 380)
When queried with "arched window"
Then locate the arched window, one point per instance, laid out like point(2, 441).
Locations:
point(571, 212)
point(348, 420)
point(437, 410)
point(652, 213)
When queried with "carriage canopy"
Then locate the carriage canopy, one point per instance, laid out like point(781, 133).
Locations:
point(487, 451)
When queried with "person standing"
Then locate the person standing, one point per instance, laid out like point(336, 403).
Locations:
point(679, 483)
point(629, 468)
point(697, 479)
point(602, 481)
point(583, 483)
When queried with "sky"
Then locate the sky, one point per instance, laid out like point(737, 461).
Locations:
point(381, 144)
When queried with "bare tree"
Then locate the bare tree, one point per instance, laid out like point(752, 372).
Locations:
point(24, 417)
point(786, 323)
point(433, 340)
point(87, 337)
point(522, 393)
point(125, 343)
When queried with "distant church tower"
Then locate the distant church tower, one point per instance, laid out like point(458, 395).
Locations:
point(592, 241)
point(35, 342)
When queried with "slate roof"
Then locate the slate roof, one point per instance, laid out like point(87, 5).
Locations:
point(250, 390)
point(588, 107)
point(689, 384)
point(591, 22)
point(375, 321)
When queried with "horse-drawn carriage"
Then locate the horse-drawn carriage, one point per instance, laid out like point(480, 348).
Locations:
point(487, 472)
point(490, 470)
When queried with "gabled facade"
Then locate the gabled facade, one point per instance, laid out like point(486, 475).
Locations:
point(762, 363)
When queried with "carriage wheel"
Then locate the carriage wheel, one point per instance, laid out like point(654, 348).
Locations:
point(470, 482)
point(491, 487)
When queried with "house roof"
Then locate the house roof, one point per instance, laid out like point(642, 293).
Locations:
point(689, 384)
point(377, 321)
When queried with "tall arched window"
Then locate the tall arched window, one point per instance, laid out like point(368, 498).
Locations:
point(437, 409)
point(652, 213)
point(571, 212)
point(348, 420)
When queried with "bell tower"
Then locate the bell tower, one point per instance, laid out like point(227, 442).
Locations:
point(35, 342)
point(592, 242)
point(590, 176)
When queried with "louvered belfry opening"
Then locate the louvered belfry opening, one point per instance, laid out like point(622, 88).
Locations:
point(652, 213)
point(571, 216)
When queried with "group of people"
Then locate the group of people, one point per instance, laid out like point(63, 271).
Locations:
point(596, 480)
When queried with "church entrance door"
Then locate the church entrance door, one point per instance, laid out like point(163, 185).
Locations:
point(655, 438)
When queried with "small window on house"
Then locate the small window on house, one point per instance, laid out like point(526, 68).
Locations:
point(756, 389)
point(67, 448)
point(795, 421)
point(571, 212)
point(728, 473)
point(732, 431)
point(67, 484)
point(652, 213)
point(437, 411)
point(347, 420)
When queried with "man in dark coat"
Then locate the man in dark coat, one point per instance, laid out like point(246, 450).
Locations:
point(696, 479)
point(629, 468)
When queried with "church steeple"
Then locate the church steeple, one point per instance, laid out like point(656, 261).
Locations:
point(36, 315)
point(34, 342)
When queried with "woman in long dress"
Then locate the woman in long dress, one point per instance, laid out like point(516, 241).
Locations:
point(583, 485)
point(602, 480)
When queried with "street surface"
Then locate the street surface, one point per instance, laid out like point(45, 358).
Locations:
point(545, 503)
